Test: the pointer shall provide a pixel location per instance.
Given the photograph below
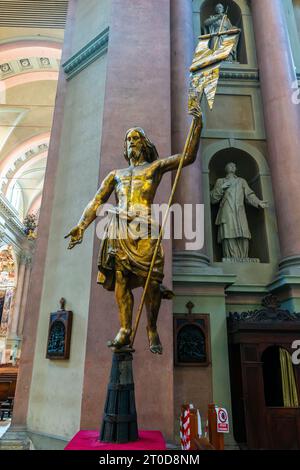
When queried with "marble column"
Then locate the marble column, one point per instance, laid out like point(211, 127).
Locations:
point(36, 284)
point(282, 122)
point(182, 47)
point(137, 93)
point(189, 189)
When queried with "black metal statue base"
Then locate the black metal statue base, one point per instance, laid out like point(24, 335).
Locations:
point(120, 420)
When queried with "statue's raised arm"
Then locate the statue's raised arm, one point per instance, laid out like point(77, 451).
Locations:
point(192, 142)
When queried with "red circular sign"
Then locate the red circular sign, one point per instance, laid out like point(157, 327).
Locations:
point(222, 415)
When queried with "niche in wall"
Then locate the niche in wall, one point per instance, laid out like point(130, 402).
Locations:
point(247, 168)
point(236, 18)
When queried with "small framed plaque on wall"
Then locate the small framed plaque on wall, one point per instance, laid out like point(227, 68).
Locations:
point(59, 335)
point(191, 339)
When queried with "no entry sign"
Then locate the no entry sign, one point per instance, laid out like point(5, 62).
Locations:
point(222, 420)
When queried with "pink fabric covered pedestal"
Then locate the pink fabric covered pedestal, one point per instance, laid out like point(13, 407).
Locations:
point(88, 440)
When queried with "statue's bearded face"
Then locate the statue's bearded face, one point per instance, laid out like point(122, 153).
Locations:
point(135, 144)
point(220, 9)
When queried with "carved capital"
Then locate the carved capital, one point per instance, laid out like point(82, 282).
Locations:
point(25, 259)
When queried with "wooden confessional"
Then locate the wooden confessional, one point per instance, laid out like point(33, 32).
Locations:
point(260, 419)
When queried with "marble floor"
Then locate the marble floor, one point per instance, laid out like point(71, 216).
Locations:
point(4, 425)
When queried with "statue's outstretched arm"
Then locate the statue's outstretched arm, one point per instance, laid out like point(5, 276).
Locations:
point(252, 199)
point(90, 212)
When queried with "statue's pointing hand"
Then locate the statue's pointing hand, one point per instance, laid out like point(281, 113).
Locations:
point(76, 235)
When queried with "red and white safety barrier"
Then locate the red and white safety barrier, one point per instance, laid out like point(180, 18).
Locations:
point(185, 430)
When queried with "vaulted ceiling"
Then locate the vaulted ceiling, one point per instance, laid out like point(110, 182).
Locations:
point(29, 64)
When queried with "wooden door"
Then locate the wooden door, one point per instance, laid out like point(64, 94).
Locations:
point(283, 428)
point(254, 406)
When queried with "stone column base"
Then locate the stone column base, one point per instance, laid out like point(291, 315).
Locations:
point(16, 439)
point(290, 266)
point(190, 260)
point(286, 284)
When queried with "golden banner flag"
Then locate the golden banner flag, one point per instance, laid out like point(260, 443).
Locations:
point(205, 68)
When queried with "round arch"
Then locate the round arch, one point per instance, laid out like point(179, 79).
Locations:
point(242, 4)
point(28, 60)
point(211, 150)
point(234, 10)
point(30, 154)
point(26, 167)
point(33, 171)
point(29, 48)
point(29, 146)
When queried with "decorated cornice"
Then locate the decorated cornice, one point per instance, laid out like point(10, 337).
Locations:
point(271, 312)
point(88, 54)
point(239, 74)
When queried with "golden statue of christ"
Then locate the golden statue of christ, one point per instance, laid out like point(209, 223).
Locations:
point(124, 261)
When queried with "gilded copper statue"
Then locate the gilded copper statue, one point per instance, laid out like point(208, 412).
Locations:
point(124, 262)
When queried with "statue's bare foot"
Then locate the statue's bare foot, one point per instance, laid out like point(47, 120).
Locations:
point(121, 340)
point(154, 341)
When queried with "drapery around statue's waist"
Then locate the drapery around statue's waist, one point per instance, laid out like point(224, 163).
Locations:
point(127, 245)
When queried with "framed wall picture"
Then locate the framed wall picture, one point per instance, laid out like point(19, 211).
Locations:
point(191, 340)
point(59, 335)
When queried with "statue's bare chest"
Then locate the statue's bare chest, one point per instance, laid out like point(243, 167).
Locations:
point(135, 183)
